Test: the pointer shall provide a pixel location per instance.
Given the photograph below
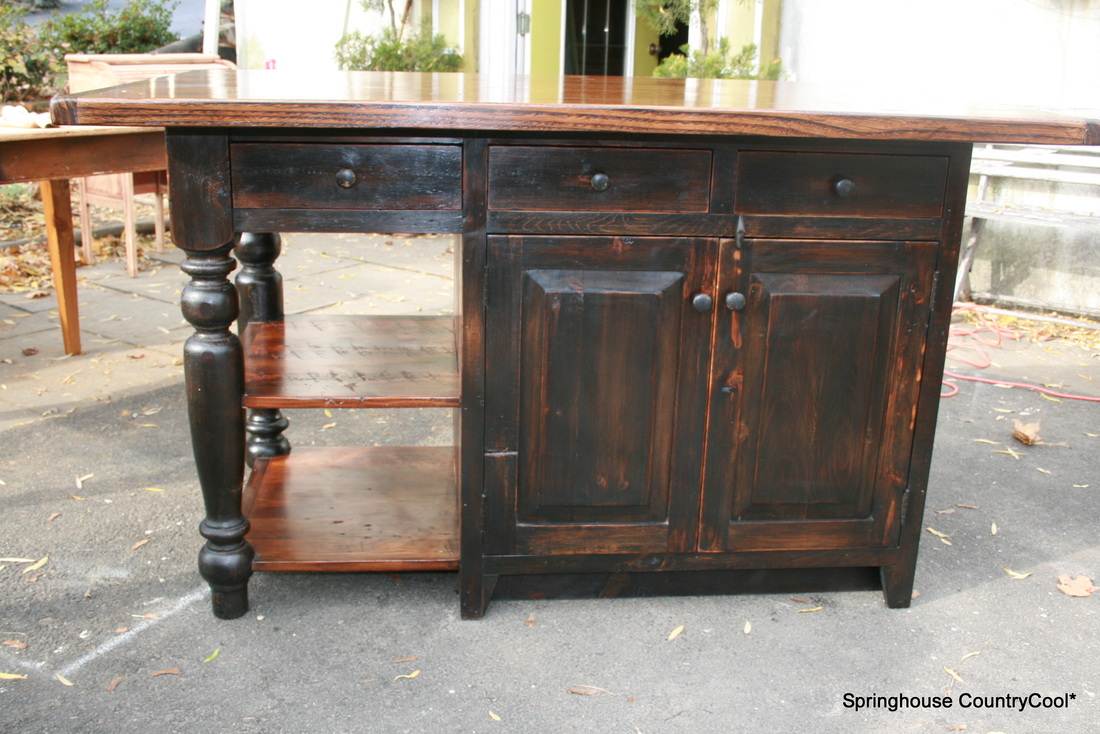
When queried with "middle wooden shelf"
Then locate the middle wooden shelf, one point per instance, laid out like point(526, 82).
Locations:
point(344, 361)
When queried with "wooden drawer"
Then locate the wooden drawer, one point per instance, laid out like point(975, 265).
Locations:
point(599, 179)
point(366, 176)
point(840, 184)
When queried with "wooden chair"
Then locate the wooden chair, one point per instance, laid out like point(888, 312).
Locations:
point(95, 71)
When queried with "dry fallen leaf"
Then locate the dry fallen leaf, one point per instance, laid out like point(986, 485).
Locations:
point(410, 675)
point(64, 681)
point(37, 565)
point(582, 689)
point(53, 516)
point(748, 627)
point(1025, 433)
point(17, 644)
point(494, 717)
point(1080, 586)
point(166, 671)
point(993, 529)
point(530, 621)
point(942, 536)
point(946, 512)
point(986, 440)
point(814, 609)
point(138, 544)
point(1015, 574)
point(114, 684)
point(675, 633)
point(12, 676)
point(968, 507)
point(957, 727)
point(1014, 454)
point(968, 655)
point(213, 655)
point(404, 660)
point(953, 674)
point(16, 560)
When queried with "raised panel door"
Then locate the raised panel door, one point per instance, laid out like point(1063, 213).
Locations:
point(815, 387)
point(598, 360)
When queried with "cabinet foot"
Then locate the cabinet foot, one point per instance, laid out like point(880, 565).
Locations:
point(475, 591)
point(897, 584)
point(227, 570)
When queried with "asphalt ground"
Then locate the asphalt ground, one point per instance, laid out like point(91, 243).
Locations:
point(96, 477)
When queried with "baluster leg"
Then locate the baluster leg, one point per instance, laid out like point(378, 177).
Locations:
point(260, 287)
point(214, 374)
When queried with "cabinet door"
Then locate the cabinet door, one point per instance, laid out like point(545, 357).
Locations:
point(815, 384)
point(597, 365)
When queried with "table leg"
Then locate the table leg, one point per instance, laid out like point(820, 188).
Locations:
point(86, 238)
point(214, 372)
point(260, 287)
point(129, 224)
point(62, 246)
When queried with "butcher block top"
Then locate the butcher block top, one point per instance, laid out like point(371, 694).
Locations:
point(532, 104)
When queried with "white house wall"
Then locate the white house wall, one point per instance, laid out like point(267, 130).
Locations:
point(1044, 51)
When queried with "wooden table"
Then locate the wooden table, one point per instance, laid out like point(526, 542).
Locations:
point(700, 325)
point(53, 156)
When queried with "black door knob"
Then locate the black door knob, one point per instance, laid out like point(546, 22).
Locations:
point(735, 301)
point(702, 303)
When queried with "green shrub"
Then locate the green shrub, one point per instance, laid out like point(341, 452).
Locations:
point(28, 68)
point(719, 64)
point(140, 27)
point(387, 52)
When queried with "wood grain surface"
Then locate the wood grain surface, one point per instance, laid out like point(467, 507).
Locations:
point(375, 508)
point(536, 104)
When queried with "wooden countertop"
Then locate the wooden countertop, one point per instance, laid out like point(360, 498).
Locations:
point(471, 102)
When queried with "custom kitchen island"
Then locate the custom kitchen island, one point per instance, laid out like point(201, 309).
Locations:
point(698, 339)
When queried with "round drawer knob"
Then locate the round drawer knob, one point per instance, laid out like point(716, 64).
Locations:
point(735, 301)
point(601, 181)
point(844, 187)
point(702, 302)
point(345, 178)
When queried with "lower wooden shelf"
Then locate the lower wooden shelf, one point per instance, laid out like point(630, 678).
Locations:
point(376, 508)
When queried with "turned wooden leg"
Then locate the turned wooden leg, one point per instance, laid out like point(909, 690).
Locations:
point(214, 372)
point(260, 287)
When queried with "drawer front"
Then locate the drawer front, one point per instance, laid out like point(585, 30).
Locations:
point(367, 176)
point(840, 184)
point(599, 179)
